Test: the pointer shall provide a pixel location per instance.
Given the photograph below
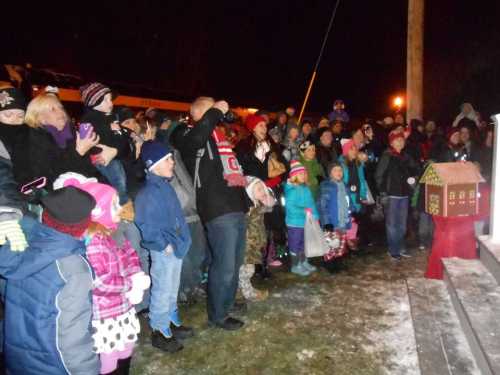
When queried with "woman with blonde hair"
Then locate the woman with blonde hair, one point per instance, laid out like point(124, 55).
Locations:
point(52, 145)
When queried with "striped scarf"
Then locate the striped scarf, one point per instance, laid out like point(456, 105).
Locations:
point(233, 173)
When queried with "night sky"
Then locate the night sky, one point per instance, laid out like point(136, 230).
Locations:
point(261, 53)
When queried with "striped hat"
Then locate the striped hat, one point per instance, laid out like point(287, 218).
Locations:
point(93, 93)
point(295, 168)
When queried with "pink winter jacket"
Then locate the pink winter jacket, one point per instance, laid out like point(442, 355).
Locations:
point(113, 267)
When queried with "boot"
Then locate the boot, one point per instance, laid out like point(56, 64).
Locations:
point(166, 343)
point(308, 266)
point(124, 366)
point(297, 267)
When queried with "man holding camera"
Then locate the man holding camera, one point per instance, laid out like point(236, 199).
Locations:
point(220, 198)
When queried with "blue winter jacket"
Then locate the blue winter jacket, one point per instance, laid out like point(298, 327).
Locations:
point(297, 199)
point(48, 306)
point(328, 206)
point(354, 202)
point(159, 216)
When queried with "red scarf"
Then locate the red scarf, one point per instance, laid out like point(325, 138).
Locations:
point(233, 173)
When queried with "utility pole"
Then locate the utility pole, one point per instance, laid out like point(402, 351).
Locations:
point(415, 60)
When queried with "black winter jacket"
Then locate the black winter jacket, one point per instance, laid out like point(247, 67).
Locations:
point(392, 173)
point(42, 157)
point(214, 198)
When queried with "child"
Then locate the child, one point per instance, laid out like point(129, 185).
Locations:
point(119, 281)
point(291, 143)
point(298, 200)
point(314, 170)
point(335, 214)
point(354, 179)
point(262, 202)
point(48, 310)
point(166, 235)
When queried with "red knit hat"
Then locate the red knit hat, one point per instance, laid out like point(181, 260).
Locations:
point(395, 135)
point(252, 121)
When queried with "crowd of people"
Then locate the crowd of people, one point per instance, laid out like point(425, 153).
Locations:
point(122, 214)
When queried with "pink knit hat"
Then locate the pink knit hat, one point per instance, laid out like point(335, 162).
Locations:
point(103, 194)
point(347, 146)
point(295, 168)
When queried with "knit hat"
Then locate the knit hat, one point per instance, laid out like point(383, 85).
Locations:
point(124, 114)
point(103, 195)
point(251, 183)
point(305, 145)
point(347, 146)
point(12, 98)
point(93, 93)
point(153, 152)
point(252, 121)
point(68, 210)
point(295, 168)
point(395, 135)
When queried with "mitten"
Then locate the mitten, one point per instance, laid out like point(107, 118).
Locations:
point(141, 281)
point(127, 213)
point(135, 295)
point(11, 231)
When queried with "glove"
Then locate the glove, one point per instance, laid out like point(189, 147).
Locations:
point(127, 213)
point(141, 281)
point(11, 231)
point(135, 295)
point(328, 228)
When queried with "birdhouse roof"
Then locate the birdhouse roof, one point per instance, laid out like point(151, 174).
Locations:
point(452, 174)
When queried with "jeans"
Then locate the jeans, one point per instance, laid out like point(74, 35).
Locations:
point(396, 215)
point(165, 277)
point(226, 237)
point(115, 173)
point(3, 284)
point(132, 233)
point(191, 274)
point(425, 229)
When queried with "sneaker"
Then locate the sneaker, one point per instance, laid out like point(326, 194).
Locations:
point(308, 266)
point(162, 341)
point(182, 332)
point(229, 324)
point(300, 270)
point(404, 254)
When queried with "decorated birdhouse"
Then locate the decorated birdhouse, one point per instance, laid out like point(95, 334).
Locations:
point(451, 189)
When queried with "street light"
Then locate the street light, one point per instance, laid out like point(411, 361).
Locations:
point(398, 102)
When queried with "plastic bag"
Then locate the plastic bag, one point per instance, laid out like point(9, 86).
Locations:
point(314, 240)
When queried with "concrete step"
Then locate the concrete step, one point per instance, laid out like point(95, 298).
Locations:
point(475, 295)
point(490, 256)
point(441, 344)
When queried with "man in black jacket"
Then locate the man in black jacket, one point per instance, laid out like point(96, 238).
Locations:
point(395, 180)
point(220, 205)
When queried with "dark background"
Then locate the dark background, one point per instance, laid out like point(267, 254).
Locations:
point(261, 53)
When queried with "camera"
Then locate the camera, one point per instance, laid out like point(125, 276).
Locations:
point(229, 117)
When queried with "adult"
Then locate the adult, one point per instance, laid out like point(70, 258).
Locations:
point(470, 146)
point(454, 150)
point(466, 112)
point(338, 133)
point(52, 147)
point(306, 131)
point(261, 157)
point(325, 152)
point(221, 203)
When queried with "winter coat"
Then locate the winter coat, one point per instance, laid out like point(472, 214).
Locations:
point(338, 115)
point(450, 155)
point(355, 197)
point(113, 266)
point(297, 199)
point(159, 216)
point(252, 166)
point(40, 156)
point(328, 206)
point(325, 156)
point(48, 306)
point(102, 127)
point(184, 189)
point(214, 198)
point(291, 150)
point(315, 175)
point(392, 173)
point(10, 197)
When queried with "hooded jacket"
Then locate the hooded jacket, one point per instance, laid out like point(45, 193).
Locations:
point(48, 306)
point(159, 216)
